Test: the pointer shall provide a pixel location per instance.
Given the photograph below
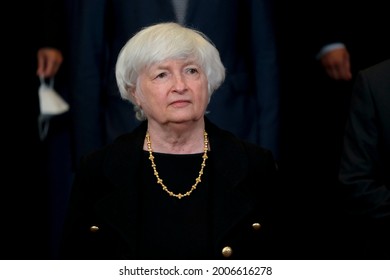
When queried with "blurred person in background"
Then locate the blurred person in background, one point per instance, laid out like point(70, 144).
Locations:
point(33, 41)
point(321, 48)
point(365, 163)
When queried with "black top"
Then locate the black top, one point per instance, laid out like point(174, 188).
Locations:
point(170, 227)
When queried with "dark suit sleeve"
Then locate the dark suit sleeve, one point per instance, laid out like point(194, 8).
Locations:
point(362, 164)
point(266, 75)
point(88, 60)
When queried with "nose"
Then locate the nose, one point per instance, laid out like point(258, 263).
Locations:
point(179, 83)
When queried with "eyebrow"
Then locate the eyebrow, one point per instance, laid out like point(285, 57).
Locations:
point(163, 64)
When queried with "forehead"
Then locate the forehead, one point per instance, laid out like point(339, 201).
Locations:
point(173, 61)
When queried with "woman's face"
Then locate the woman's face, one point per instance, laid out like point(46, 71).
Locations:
point(173, 90)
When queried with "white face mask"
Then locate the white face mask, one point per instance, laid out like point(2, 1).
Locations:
point(51, 104)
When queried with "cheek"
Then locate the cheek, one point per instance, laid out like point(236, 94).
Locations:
point(205, 94)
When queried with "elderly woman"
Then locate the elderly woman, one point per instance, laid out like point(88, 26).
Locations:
point(177, 187)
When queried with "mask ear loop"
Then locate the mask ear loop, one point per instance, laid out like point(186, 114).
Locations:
point(43, 81)
point(44, 121)
point(43, 126)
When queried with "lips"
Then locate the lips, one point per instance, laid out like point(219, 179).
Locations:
point(180, 103)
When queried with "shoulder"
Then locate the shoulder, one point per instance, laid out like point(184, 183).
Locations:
point(380, 71)
point(219, 134)
point(374, 82)
point(120, 150)
point(228, 146)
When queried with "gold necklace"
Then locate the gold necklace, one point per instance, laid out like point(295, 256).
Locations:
point(160, 181)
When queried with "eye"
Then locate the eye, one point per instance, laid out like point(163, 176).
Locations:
point(161, 75)
point(192, 70)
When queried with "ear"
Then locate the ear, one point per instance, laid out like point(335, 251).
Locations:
point(134, 96)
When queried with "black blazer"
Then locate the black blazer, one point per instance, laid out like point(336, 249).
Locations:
point(103, 207)
point(365, 162)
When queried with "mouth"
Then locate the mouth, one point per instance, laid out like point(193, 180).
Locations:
point(180, 103)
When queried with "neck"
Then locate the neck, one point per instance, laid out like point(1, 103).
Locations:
point(176, 141)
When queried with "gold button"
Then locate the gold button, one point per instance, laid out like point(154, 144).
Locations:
point(227, 251)
point(94, 228)
point(256, 226)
